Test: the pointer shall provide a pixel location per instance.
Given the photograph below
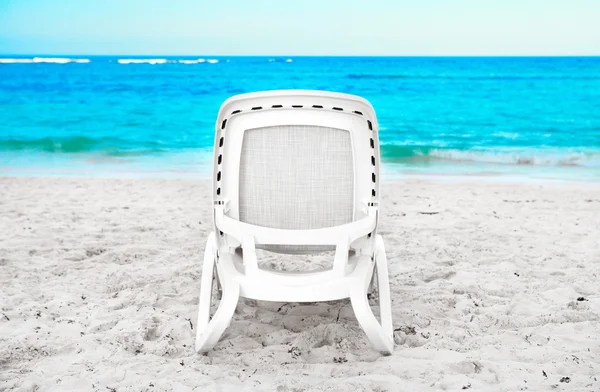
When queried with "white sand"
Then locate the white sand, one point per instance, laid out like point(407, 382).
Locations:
point(99, 282)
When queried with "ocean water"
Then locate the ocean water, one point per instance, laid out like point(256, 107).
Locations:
point(154, 116)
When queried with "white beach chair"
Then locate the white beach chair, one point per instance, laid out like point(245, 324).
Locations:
point(295, 172)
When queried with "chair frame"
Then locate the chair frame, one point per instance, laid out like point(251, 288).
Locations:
point(351, 276)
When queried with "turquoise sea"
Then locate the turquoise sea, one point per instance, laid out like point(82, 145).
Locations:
point(524, 117)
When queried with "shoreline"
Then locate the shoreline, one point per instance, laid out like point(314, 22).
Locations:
point(434, 176)
point(196, 163)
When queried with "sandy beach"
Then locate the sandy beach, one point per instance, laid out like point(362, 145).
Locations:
point(495, 287)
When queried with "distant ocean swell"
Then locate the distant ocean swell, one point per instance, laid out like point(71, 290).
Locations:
point(66, 60)
point(503, 77)
point(167, 61)
point(406, 154)
point(43, 60)
point(151, 61)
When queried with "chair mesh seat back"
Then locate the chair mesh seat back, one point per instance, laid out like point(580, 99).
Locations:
point(296, 177)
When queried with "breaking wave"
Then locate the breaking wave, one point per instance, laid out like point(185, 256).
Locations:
point(82, 144)
point(143, 61)
point(166, 61)
point(404, 154)
point(34, 60)
point(198, 61)
point(532, 157)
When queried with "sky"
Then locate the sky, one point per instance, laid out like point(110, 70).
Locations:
point(301, 27)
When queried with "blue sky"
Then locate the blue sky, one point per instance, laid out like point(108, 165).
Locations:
point(301, 27)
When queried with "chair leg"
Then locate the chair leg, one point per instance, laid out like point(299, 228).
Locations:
point(209, 331)
point(380, 334)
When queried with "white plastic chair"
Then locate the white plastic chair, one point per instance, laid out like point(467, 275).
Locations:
point(295, 172)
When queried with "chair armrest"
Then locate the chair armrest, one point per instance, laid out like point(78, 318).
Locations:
point(268, 236)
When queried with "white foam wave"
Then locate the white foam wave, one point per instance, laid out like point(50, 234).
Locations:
point(192, 61)
point(55, 60)
point(15, 61)
point(142, 61)
point(59, 60)
point(289, 60)
point(66, 60)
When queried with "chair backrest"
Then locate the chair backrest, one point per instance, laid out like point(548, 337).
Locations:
point(294, 159)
